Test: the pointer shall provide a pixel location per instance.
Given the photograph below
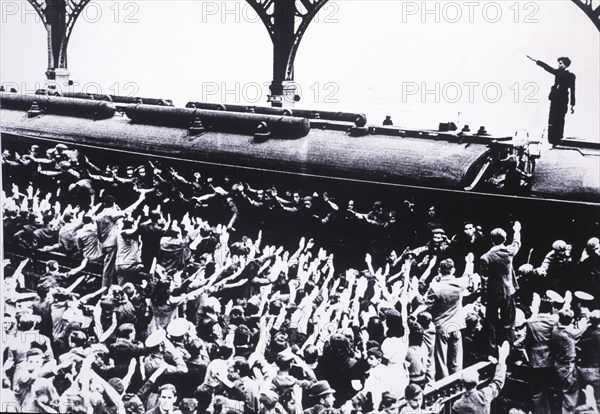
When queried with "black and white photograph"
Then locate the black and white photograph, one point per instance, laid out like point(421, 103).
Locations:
point(300, 206)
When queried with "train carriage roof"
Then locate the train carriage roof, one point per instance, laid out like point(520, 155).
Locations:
point(322, 148)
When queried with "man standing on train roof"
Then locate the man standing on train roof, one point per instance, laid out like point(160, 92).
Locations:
point(559, 97)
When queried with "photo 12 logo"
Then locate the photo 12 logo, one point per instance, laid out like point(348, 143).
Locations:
point(469, 11)
point(78, 90)
point(469, 92)
point(255, 92)
point(242, 11)
point(126, 12)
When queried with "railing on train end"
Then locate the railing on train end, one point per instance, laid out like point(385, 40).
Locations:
point(441, 395)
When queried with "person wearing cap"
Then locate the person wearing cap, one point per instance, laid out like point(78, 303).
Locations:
point(180, 331)
point(563, 353)
point(587, 275)
point(558, 267)
point(322, 396)
point(161, 351)
point(476, 400)
point(438, 249)
point(31, 371)
point(539, 329)
point(588, 356)
point(178, 328)
point(270, 403)
point(283, 380)
point(62, 152)
point(562, 92)
point(582, 303)
point(389, 403)
point(500, 284)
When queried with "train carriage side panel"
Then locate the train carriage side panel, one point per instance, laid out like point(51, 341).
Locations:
point(407, 161)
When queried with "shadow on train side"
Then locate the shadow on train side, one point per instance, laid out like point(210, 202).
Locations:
point(333, 144)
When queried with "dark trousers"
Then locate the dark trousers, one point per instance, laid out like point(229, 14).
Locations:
point(568, 387)
point(129, 273)
point(556, 121)
point(540, 381)
point(500, 316)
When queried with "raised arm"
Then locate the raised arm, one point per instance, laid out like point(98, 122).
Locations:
point(545, 66)
point(490, 392)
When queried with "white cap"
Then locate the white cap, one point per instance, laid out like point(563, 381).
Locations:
point(583, 295)
point(156, 338)
point(554, 296)
point(178, 327)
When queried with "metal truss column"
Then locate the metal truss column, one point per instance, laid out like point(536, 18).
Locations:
point(286, 21)
point(59, 18)
point(587, 7)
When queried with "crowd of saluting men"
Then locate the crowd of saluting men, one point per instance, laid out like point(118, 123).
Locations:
point(193, 312)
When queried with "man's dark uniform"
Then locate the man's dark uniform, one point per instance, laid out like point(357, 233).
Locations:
point(559, 101)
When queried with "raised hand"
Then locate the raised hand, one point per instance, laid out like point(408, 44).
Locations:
point(503, 352)
point(302, 243)
point(517, 226)
point(470, 258)
point(322, 255)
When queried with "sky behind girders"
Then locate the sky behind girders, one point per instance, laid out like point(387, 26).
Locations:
point(421, 62)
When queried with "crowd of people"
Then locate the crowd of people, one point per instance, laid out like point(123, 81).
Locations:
point(198, 307)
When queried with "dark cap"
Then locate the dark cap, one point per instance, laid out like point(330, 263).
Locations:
point(387, 399)
point(320, 388)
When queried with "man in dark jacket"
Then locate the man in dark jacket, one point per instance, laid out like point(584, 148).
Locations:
point(563, 354)
point(500, 284)
point(537, 346)
point(559, 97)
point(480, 400)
